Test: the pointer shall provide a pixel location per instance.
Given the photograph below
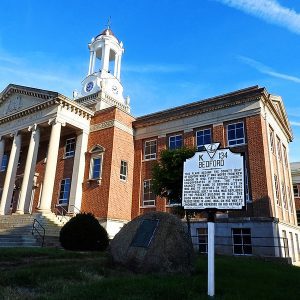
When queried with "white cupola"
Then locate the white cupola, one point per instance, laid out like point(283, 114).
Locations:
point(104, 69)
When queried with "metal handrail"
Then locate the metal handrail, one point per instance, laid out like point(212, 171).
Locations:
point(60, 212)
point(79, 211)
point(35, 229)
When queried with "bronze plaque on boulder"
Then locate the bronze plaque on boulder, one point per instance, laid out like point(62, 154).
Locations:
point(144, 233)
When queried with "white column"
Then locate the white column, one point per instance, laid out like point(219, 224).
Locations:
point(90, 64)
point(10, 177)
point(105, 57)
point(27, 183)
point(78, 173)
point(117, 56)
point(119, 68)
point(49, 177)
point(2, 147)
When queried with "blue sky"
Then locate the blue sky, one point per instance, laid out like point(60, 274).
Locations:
point(176, 51)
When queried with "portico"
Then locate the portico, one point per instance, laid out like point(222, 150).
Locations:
point(27, 118)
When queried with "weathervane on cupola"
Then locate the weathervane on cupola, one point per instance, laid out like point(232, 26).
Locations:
point(104, 70)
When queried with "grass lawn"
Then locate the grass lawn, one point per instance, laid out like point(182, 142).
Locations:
point(36, 273)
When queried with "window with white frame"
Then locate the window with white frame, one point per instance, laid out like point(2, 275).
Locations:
point(96, 167)
point(272, 143)
point(279, 153)
point(241, 241)
point(123, 170)
point(175, 142)
point(70, 147)
point(247, 190)
point(296, 189)
point(4, 163)
point(148, 195)
point(150, 149)
point(203, 137)
point(64, 193)
point(283, 193)
point(285, 156)
point(96, 162)
point(236, 134)
point(202, 239)
point(276, 189)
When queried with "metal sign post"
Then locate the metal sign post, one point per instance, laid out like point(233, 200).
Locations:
point(213, 180)
point(211, 254)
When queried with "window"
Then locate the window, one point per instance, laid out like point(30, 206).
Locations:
point(4, 163)
point(279, 149)
point(123, 170)
point(175, 142)
point(20, 159)
point(247, 190)
point(285, 156)
point(283, 195)
point(298, 217)
point(236, 134)
point(64, 191)
point(148, 195)
point(296, 190)
point(276, 189)
point(202, 240)
point(272, 140)
point(203, 137)
point(241, 241)
point(96, 167)
point(96, 162)
point(150, 149)
point(70, 147)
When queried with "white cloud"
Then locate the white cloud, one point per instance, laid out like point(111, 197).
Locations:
point(267, 70)
point(270, 11)
point(295, 123)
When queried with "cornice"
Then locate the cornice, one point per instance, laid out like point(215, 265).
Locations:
point(188, 110)
point(285, 126)
point(58, 101)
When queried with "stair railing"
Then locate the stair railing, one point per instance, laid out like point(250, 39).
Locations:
point(38, 228)
point(61, 212)
point(78, 210)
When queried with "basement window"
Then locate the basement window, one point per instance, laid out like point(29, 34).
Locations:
point(241, 241)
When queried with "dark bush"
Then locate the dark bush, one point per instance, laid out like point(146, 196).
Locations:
point(83, 233)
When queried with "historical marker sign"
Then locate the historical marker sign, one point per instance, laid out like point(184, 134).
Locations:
point(214, 179)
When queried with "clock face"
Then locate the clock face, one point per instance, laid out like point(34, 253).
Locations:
point(115, 89)
point(89, 86)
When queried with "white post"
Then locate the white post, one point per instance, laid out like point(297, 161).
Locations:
point(27, 183)
point(78, 173)
point(105, 57)
point(119, 68)
point(90, 64)
point(49, 178)
point(211, 259)
point(11, 173)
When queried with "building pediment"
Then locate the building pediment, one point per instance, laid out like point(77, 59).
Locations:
point(279, 109)
point(17, 98)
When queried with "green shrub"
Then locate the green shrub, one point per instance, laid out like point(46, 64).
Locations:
point(83, 233)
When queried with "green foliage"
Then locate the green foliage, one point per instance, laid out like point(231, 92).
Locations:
point(83, 233)
point(167, 174)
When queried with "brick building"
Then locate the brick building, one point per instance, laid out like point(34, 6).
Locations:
point(295, 170)
point(90, 154)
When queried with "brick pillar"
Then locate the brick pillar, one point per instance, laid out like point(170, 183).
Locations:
point(257, 164)
point(189, 139)
point(219, 134)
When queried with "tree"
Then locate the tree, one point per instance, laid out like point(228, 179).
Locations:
point(167, 173)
